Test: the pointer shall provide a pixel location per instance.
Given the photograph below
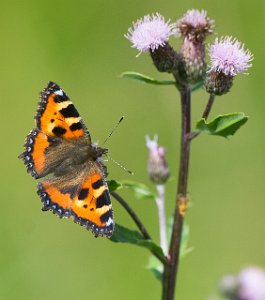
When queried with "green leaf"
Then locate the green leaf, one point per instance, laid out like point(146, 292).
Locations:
point(140, 190)
point(197, 86)
point(223, 125)
point(146, 79)
point(156, 267)
point(184, 249)
point(124, 235)
point(114, 185)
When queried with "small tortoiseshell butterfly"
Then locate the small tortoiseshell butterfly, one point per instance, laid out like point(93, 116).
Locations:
point(60, 149)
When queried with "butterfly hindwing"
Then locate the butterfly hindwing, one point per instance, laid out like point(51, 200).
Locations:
point(88, 203)
point(92, 206)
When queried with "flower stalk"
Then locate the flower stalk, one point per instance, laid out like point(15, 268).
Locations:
point(170, 270)
point(188, 66)
point(160, 202)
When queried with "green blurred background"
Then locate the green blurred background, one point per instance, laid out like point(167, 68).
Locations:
point(81, 46)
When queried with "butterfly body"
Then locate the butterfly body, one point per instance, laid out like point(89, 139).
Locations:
point(60, 150)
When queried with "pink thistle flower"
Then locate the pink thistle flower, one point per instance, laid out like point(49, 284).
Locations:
point(249, 284)
point(229, 56)
point(149, 33)
point(194, 25)
point(252, 284)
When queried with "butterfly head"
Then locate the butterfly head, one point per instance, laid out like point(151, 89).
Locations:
point(98, 152)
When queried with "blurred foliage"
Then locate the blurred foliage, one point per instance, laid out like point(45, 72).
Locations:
point(81, 46)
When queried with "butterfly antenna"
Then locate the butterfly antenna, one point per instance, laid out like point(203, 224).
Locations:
point(120, 165)
point(113, 130)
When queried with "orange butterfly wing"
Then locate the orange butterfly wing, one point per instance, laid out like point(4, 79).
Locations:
point(57, 119)
point(88, 203)
point(61, 145)
point(57, 115)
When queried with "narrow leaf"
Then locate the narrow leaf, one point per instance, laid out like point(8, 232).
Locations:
point(184, 249)
point(140, 190)
point(197, 86)
point(146, 79)
point(124, 235)
point(156, 267)
point(223, 125)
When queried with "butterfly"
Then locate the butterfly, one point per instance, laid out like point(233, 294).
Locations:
point(60, 151)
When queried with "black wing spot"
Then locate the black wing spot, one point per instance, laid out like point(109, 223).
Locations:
point(85, 205)
point(83, 194)
point(97, 184)
point(69, 111)
point(103, 199)
point(59, 131)
point(105, 217)
point(76, 126)
point(52, 120)
point(60, 98)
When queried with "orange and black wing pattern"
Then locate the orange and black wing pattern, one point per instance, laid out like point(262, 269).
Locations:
point(57, 119)
point(85, 198)
point(57, 116)
point(60, 149)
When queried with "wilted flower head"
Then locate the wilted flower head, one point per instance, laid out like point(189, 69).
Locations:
point(149, 33)
point(229, 56)
point(157, 166)
point(194, 25)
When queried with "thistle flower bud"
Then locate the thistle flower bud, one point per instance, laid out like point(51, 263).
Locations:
point(193, 54)
point(194, 27)
point(150, 34)
point(228, 58)
point(229, 286)
point(165, 58)
point(157, 166)
point(218, 83)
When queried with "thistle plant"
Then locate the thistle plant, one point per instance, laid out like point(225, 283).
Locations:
point(195, 65)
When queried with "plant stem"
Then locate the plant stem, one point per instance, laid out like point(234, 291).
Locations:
point(170, 270)
point(208, 107)
point(133, 215)
point(160, 202)
point(146, 235)
point(205, 114)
